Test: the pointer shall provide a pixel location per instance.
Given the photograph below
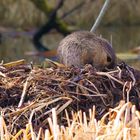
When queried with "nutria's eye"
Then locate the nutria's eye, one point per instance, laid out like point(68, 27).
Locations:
point(109, 59)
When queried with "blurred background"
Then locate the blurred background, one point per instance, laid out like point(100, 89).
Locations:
point(21, 20)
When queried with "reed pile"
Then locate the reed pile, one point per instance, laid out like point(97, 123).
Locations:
point(35, 100)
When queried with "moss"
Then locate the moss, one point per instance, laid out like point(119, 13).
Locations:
point(43, 6)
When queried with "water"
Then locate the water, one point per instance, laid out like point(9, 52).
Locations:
point(123, 38)
point(15, 44)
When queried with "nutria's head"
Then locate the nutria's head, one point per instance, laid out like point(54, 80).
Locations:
point(111, 57)
point(103, 55)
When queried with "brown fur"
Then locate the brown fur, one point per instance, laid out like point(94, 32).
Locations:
point(83, 47)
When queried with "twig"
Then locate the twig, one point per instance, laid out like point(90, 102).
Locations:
point(2, 74)
point(124, 90)
point(100, 16)
point(24, 92)
point(39, 134)
point(64, 106)
point(77, 93)
point(94, 92)
point(30, 106)
point(31, 116)
point(120, 72)
point(132, 75)
point(55, 125)
point(26, 85)
point(111, 41)
point(119, 115)
point(97, 91)
point(111, 77)
point(128, 90)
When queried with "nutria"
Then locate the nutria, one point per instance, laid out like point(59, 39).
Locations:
point(84, 47)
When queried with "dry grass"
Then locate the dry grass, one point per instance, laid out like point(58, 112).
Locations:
point(121, 122)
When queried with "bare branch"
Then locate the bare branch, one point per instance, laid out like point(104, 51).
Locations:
point(100, 16)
